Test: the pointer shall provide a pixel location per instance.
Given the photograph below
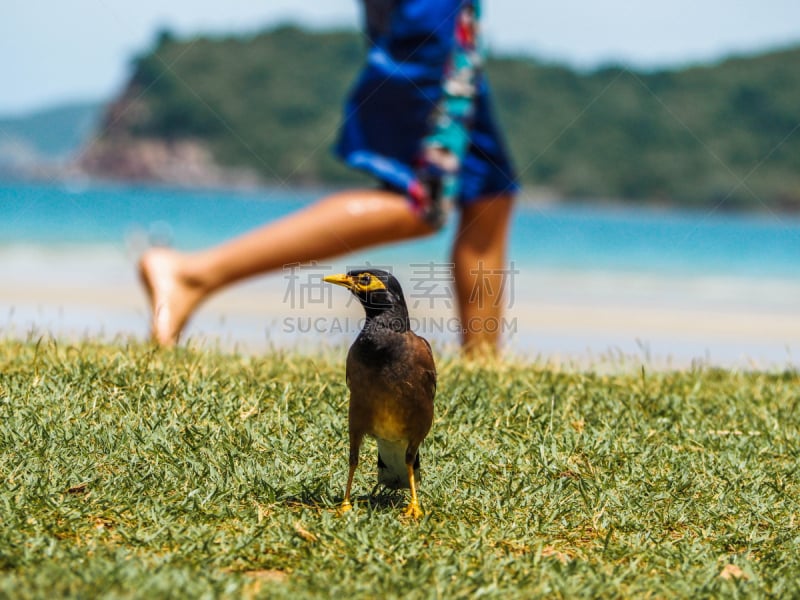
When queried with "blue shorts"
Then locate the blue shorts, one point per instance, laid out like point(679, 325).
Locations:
point(389, 111)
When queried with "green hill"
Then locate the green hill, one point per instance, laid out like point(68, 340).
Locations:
point(725, 134)
point(50, 134)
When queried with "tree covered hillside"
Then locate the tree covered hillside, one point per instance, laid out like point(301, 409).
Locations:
point(726, 134)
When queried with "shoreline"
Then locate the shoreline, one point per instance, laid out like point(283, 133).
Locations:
point(529, 196)
point(567, 317)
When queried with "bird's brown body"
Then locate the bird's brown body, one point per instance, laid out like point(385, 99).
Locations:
point(391, 392)
point(392, 380)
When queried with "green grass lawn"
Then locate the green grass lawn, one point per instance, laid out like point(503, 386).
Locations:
point(132, 472)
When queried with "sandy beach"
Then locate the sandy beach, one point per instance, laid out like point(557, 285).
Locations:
point(578, 317)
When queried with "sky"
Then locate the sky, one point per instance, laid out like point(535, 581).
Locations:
point(57, 51)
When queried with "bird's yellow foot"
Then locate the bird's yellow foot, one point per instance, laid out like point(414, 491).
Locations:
point(344, 507)
point(413, 511)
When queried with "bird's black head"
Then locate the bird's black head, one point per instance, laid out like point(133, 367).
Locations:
point(378, 291)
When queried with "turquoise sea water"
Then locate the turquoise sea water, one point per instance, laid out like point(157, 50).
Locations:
point(566, 237)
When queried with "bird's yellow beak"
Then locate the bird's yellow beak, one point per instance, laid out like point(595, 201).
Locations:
point(341, 279)
point(363, 283)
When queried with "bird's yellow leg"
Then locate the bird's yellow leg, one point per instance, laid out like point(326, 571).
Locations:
point(346, 505)
point(412, 510)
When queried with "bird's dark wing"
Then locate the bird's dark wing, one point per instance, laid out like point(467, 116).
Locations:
point(427, 367)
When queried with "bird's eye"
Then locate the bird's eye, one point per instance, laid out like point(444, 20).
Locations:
point(364, 280)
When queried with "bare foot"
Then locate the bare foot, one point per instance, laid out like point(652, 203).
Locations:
point(173, 297)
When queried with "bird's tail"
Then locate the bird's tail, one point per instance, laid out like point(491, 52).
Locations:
point(392, 465)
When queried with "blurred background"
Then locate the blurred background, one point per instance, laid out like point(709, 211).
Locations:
point(659, 148)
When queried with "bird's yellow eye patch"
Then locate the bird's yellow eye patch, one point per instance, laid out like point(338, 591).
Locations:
point(367, 283)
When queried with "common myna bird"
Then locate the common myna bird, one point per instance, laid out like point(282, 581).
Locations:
point(392, 381)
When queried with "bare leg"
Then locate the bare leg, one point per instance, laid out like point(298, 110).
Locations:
point(479, 255)
point(177, 283)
